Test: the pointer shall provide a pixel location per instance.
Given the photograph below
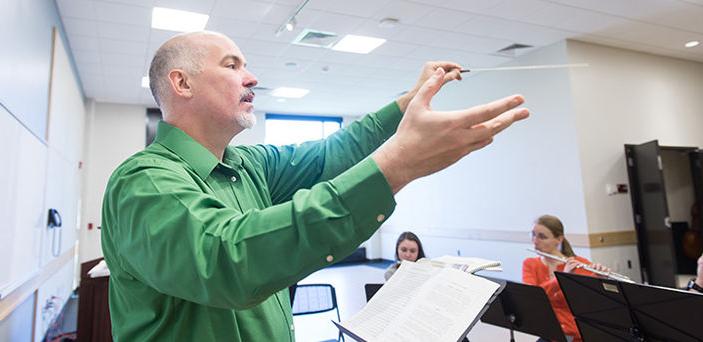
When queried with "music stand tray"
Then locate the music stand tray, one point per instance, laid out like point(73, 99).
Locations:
point(524, 308)
point(610, 310)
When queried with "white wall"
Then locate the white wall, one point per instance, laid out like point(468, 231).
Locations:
point(627, 97)
point(114, 132)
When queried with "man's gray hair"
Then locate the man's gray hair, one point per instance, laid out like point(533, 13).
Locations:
point(179, 52)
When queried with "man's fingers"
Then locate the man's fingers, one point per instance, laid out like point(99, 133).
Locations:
point(494, 126)
point(429, 88)
point(482, 113)
point(452, 74)
point(503, 121)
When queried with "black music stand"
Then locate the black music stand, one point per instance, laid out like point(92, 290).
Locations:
point(610, 310)
point(524, 308)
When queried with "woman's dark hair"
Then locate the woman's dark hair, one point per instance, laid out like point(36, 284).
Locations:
point(557, 228)
point(412, 237)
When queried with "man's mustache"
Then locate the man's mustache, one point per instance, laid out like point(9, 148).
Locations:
point(247, 93)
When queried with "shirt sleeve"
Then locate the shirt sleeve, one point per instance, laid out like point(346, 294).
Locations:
point(292, 167)
point(530, 276)
point(203, 251)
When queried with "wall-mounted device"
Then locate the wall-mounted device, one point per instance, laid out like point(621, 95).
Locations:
point(54, 223)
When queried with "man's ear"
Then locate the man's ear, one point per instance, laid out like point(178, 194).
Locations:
point(180, 83)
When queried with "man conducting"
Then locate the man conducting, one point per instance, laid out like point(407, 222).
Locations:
point(202, 239)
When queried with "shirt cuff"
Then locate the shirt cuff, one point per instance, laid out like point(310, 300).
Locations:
point(389, 117)
point(365, 191)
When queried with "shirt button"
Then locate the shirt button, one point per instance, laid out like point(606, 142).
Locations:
point(330, 258)
point(233, 178)
point(292, 327)
point(380, 217)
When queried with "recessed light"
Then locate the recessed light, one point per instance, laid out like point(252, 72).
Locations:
point(145, 82)
point(291, 93)
point(281, 100)
point(692, 43)
point(176, 20)
point(358, 44)
point(388, 22)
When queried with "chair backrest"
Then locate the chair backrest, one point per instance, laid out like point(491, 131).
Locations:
point(314, 298)
point(371, 290)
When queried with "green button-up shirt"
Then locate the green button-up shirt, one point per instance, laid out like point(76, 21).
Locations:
point(204, 250)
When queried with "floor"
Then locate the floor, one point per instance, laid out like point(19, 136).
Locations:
point(349, 281)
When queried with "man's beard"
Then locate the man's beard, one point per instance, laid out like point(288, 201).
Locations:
point(246, 119)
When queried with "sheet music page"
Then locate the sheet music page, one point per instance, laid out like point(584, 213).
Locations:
point(391, 300)
point(423, 301)
point(443, 308)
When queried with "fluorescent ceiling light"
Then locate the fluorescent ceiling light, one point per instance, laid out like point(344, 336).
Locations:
point(291, 93)
point(145, 82)
point(692, 43)
point(358, 44)
point(175, 20)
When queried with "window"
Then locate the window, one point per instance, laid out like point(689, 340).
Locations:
point(284, 129)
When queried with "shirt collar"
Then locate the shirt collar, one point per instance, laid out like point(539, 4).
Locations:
point(183, 145)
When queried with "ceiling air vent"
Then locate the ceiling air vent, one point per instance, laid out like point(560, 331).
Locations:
point(315, 38)
point(512, 49)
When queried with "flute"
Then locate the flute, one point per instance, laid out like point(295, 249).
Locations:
point(609, 274)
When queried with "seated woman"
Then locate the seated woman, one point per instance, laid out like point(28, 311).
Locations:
point(548, 237)
point(408, 247)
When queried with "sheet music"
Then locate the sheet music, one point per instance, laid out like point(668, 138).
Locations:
point(422, 302)
point(391, 299)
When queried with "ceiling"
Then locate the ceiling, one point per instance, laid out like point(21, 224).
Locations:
point(112, 41)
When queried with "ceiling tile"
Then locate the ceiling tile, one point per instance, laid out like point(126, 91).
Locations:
point(91, 70)
point(472, 6)
point(123, 14)
point(393, 48)
point(406, 12)
point(514, 10)
point(76, 8)
point(369, 27)
point(124, 32)
point(121, 46)
point(329, 22)
point(200, 6)
point(359, 8)
point(233, 28)
point(84, 43)
point(451, 40)
point(254, 11)
point(303, 52)
point(111, 60)
point(571, 19)
point(445, 19)
point(261, 47)
point(83, 27)
point(85, 56)
point(513, 31)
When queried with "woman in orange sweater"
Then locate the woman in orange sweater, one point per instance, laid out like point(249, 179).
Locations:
point(548, 237)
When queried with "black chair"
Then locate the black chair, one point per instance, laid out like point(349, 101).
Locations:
point(311, 299)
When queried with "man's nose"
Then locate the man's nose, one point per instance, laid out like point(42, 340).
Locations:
point(250, 80)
